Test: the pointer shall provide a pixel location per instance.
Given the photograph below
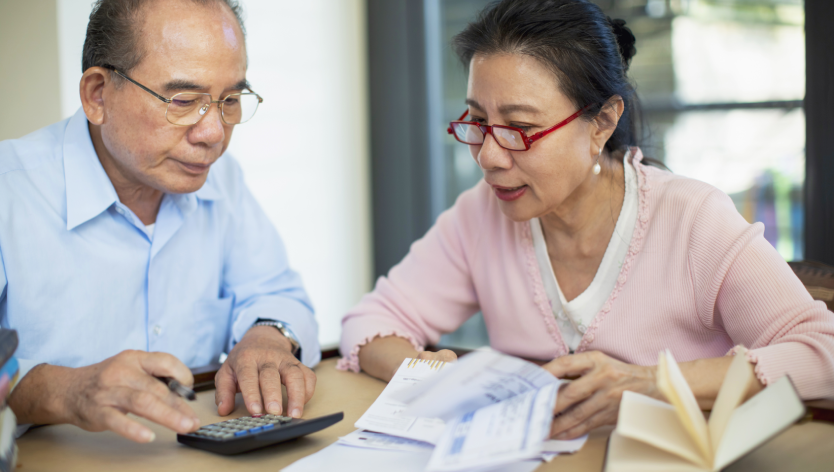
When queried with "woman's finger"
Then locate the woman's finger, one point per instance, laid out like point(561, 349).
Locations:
point(573, 365)
point(601, 418)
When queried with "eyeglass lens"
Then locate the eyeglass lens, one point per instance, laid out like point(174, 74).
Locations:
point(472, 134)
point(188, 108)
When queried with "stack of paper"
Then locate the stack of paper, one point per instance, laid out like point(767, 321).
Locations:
point(488, 411)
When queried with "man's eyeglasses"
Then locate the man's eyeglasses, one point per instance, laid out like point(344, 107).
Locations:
point(187, 108)
point(508, 137)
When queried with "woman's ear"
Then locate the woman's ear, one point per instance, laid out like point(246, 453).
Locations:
point(91, 90)
point(605, 123)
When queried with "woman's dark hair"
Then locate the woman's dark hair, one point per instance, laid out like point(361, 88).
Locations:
point(112, 33)
point(588, 52)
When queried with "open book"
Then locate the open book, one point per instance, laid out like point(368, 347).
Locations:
point(655, 436)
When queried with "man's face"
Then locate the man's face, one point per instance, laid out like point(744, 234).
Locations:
point(187, 48)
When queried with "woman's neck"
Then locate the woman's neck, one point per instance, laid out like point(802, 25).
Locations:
point(578, 232)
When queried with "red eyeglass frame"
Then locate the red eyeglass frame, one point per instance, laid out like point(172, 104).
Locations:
point(527, 140)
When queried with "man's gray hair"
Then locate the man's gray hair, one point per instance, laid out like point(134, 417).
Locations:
point(112, 38)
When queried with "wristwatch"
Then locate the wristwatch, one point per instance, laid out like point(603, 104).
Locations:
point(296, 347)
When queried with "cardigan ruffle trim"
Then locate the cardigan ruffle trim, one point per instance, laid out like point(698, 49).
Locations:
point(539, 295)
point(753, 359)
point(633, 249)
point(351, 361)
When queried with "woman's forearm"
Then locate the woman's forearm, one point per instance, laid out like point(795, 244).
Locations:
point(705, 377)
point(382, 357)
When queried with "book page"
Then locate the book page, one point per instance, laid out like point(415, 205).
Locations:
point(386, 413)
point(759, 419)
point(628, 455)
point(479, 379)
point(672, 384)
point(657, 424)
point(735, 386)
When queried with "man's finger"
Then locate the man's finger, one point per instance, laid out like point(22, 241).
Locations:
point(151, 407)
point(310, 382)
point(158, 388)
point(294, 380)
point(225, 387)
point(270, 381)
point(119, 423)
point(250, 387)
point(162, 364)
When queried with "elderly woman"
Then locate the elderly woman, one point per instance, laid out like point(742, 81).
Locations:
point(574, 249)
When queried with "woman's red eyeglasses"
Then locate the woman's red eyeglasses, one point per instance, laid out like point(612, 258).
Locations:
point(508, 137)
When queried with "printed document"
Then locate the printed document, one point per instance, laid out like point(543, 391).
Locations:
point(386, 414)
point(499, 434)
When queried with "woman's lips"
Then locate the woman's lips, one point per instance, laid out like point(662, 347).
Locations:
point(509, 194)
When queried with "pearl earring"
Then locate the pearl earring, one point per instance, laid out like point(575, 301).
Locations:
point(597, 168)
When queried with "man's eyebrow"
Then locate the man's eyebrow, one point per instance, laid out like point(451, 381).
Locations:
point(176, 85)
point(243, 84)
point(183, 85)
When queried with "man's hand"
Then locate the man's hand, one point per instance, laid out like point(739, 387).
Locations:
point(593, 399)
point(256, 367)
point(98, 397)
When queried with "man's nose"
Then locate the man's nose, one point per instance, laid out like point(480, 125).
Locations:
point(491, 156)
point(210, 130)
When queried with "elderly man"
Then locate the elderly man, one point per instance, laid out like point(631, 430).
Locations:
point(130, 246)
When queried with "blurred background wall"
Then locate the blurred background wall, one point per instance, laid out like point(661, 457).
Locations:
point(304, 155)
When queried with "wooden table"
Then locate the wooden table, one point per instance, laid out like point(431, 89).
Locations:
point(806, 447)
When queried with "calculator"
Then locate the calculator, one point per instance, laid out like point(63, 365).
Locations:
point(253, 432)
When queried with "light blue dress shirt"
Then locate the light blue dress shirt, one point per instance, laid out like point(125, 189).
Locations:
point(81, 280)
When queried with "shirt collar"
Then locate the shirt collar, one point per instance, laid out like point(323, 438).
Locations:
point(89, 190)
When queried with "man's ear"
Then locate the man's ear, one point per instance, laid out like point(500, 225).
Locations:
point(605, 123)
point(91, 89)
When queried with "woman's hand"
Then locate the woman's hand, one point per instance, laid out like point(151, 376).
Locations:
point(444, 355)
point(593, 398)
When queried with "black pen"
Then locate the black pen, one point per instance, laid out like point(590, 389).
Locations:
point(175, 386)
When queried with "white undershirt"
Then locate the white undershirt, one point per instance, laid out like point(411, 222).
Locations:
point(149, 229)
point(574, 317)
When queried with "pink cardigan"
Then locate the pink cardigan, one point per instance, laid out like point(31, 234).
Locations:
point(698, 280)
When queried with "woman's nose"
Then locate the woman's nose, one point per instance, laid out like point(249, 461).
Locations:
point(491, 156)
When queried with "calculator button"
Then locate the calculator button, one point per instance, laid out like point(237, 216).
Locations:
point(267, 426)
point(241, 433)
point(255, 429)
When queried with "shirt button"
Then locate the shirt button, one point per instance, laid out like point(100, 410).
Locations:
point(582, 329)
point(157, 330)
point(561, 315)
point(120, 211)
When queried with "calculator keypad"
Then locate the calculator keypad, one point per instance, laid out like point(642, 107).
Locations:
point(242, 426)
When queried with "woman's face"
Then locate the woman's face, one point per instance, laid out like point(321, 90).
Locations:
point(516, 90)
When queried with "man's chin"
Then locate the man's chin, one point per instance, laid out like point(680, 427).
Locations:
point(185, 184)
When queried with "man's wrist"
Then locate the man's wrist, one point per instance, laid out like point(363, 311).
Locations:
point(35, 399)
point(285, 331)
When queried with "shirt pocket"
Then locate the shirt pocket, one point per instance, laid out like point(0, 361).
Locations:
point(211, 324)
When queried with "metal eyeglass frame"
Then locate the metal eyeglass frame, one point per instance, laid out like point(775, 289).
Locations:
point(206, 106)
point(527, 140)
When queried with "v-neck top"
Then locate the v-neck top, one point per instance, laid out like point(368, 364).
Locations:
point(573, 317)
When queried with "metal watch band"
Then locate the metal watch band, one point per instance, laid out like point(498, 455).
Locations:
point(296, 347)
